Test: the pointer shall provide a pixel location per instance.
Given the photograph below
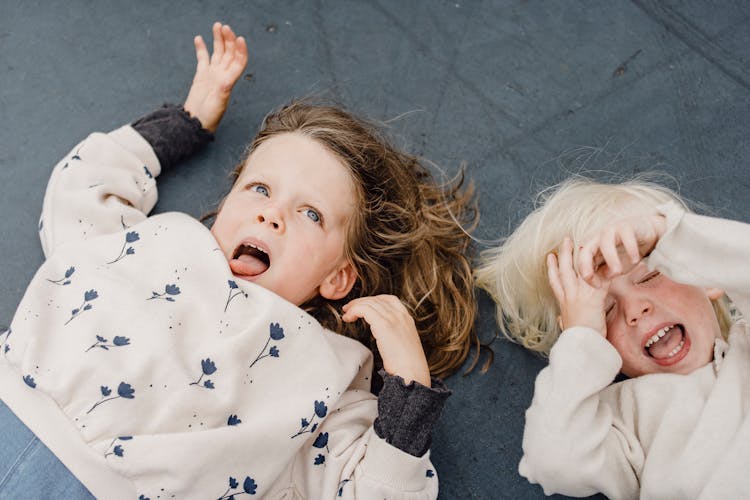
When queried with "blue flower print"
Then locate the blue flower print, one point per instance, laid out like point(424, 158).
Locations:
point(148, 172)
point(130, 237)
point(85, 306)
point(233, 420)
point(74, 157)
point(65, 280)
point(29, 381)
point(143, 497)
point(276, 333)
point(101, 342)
point(6, 346)
point(117, 450)
point(341, 486)
point(124, 390)
point(248, 486)
point(168, 294)
point(429, 473)
point(208, 367)
point(320, 411)
point(234, 291)
point(321, 442)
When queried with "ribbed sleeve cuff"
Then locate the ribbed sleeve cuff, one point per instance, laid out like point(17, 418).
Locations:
point(173, 134)
point(407, 414)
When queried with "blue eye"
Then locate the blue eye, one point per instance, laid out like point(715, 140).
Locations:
point(312, 214)
point(259, 188)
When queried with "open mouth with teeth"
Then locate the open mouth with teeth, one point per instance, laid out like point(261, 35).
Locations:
point(668, 345)
point(249, 260)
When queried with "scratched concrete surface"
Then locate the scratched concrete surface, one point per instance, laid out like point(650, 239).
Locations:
point(523, 92)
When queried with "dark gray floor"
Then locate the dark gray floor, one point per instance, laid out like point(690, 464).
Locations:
point(524, 92)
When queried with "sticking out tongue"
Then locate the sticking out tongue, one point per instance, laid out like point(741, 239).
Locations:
point(249, 261)
point(667, 343)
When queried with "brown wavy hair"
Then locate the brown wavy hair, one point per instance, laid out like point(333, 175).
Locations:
point(410, 236)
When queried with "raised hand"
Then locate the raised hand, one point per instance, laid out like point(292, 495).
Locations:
point(215, 75)
point(580, 303)
point(395, 333)
point(619, 247)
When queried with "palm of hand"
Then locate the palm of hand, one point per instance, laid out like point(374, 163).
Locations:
point(215, 75)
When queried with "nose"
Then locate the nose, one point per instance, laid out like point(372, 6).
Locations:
point(637, 309)
point(272, 216)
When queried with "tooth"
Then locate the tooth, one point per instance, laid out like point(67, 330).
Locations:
point(658, 336)
point(676, 349)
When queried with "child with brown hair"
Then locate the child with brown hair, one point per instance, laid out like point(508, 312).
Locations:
point(157, 358)
point(623, 278)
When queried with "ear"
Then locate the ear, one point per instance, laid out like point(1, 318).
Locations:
point(714, 293)
point(339, 282)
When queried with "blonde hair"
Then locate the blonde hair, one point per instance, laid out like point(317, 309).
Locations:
point(409, 236)
point(515, 273)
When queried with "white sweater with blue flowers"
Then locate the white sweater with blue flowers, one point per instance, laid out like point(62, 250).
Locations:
point(149, 371)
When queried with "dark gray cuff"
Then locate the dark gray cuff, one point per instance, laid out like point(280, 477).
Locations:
point(408, 413)
point(173, 133)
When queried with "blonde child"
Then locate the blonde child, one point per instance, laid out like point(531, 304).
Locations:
point(634, 281)
point(158, 359)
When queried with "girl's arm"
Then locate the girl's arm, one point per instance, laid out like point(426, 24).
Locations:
point(349, 459)
point(573, 442)
point(107, 182)
point(705, 251)
point(410, 402)
point(390, 457)
point(689, 248)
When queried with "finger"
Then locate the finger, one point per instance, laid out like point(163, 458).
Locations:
point(586, 259)
point(567, 272)
point(553, 276)
point(239, 61)
point(229, 39)
point(228, 32)
point(240, 49)
point(610, 252)
point(630, 243)
point(226, 60)
point(363, 310)
point(218, 42)
point(201, 52)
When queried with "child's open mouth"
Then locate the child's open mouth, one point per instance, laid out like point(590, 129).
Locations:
point(249, 260)
point(668, 345)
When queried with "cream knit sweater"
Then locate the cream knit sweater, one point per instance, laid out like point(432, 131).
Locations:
point(655, 436)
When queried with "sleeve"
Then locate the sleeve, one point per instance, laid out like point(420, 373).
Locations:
point(106, 184)
point(347, 459)
point(407, 413)
point(705, 251)
point(172, 133)
point(574, 442)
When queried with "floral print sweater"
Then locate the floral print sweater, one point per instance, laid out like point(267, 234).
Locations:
point(151, 372)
